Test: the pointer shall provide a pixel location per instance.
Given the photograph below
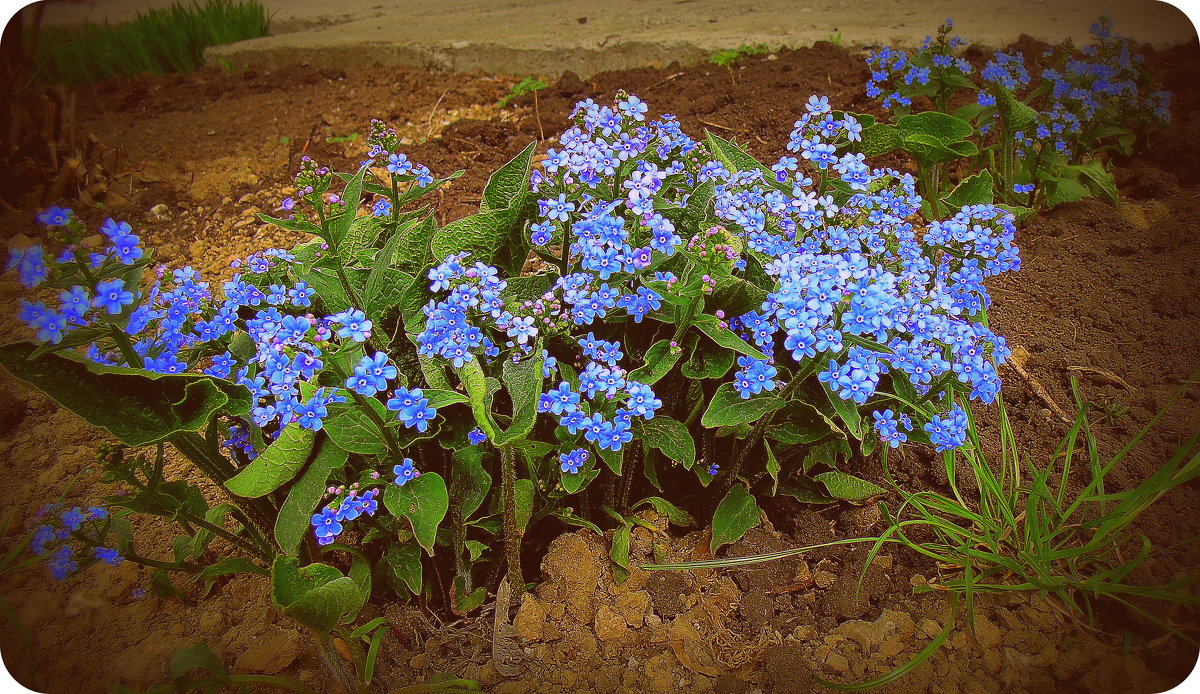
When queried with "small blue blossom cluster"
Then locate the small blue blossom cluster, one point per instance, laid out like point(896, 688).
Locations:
point(1101, 83)
point(327, 524)
point(65, 537)
point(92, 292)
point(858, 286)
point(932, 71)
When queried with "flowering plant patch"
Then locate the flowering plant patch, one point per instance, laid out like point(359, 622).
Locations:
point(1037, 142)
point(639, 314)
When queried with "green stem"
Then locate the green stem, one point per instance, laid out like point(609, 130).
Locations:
point(259, 512)
point(512, 534)
point(232, 539)
point(763, 422)
point(389, 438)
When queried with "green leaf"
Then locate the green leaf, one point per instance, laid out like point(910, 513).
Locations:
point(736, 514)
point(659, 361)
point(619, 552)
point(509, 183)
point(728, 408)
point(1099, 180)
point(137, 407)
point(707, 361)
point(847, 410)
point(465, 602)
point(710, 326)
point(439, 398)
point(848, 487)
point(935, 124)
point(161, 584)
point(412, 250)
point(404, 564)
point(362, 235)
point(1015, 113)
point(527, 288)
point(352, 430)
point(968, 111)
point(802, 489)
point(772, 468)
point(879, 138)
point(612, 459)
point(569, 518)
point(475, 549)
point(197, 655)
point(295, 514)
point(469, 481)
point(972, 190)
point(671, 437)
point(1064, 190)
point(673, 513)
point(299, 225)
point(735, 158)
point(340, 225)
point(316, 595)
point(929, 150)
point(523, 492)
point(735, 297)
point(480, 235)
point(424, 501)
point(275, 466)
point(523, 381)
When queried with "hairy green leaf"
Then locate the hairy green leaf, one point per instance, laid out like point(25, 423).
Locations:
point(736, 514)
point(277, 465)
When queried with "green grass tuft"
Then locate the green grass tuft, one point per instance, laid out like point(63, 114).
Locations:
point(525, 86)
point(160, 41)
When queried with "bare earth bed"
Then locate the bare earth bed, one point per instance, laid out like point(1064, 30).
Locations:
point(1107, 294)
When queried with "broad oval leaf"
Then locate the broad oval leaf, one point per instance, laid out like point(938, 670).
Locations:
point(509, 183)
point(295, 514)
point(659, 360)
point(671, 437)
point(275, 466)
point(736, 514)
point(137, 407)
point(354, 431)
point(848, 487)
point(710, 325)
point(523, 381)
point(316, 595)
point(424, 501)
point(728, 408)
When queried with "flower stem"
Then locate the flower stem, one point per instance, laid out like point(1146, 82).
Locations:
point(512, 534)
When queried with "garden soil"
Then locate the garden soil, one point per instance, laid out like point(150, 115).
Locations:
point(1107, 296)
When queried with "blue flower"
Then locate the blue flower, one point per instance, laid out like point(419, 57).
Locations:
point(73, 519)
point(354, 325)
point(111, 296)
point(541, 233)
point(404, 471)
point(326, 526)
point(55, 217)
point(755, 376)
point(109, 556)
point(412, 408)
point(61, 565)
point(476, 436)
point(571, 462)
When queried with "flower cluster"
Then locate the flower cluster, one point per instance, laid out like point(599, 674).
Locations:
point(933, 71)
point(327, 524)
point(858, 286)
point(66, 537)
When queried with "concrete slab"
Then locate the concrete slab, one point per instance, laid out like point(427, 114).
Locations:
point(588, 36)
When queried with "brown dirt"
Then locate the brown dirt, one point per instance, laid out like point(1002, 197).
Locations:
point(1111, 290)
